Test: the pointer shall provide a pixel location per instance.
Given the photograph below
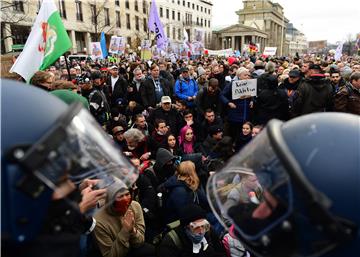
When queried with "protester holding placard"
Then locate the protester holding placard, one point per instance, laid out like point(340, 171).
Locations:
point(237, 107)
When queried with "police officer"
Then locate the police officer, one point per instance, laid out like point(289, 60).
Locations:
point(48, 148)
point(288, 194)
point(99, 106)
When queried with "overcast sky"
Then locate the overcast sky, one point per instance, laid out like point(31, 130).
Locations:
point(318, 19)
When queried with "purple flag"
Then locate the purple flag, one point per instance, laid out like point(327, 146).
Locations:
point(156, 27)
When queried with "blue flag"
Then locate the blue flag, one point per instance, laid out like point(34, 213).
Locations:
point(103, 45)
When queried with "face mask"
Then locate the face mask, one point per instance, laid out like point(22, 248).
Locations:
point(161, 133)
point(121, 206)
point(195, 238)
point(131, 148)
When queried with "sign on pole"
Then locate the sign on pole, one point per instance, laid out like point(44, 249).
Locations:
point(271, 51)
point(243, 88)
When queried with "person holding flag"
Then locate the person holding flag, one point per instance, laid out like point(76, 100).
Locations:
point(47, 41)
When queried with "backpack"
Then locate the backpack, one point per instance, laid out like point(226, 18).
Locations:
point(169, 230)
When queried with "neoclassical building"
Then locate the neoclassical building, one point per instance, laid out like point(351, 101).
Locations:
point(84, 20)
point(261, 22)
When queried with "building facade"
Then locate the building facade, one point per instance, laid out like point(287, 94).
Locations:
point(298, 42)
point(261, 22)
point(84, 20)
point(193, 16)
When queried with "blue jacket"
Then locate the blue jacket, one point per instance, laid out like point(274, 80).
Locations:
point(184, 89)
point(242, 110)
point(179, 195)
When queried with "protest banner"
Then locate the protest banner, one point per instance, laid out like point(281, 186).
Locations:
point(121, 45)
point(146, 50)
point(271, 51)
point(197, 48)
point(224, 52)
point(114, 45)
point(243, 88)
point(95, 51)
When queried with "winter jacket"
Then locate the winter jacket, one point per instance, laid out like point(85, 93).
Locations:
point(172, 118)
point(169, 248)
point(271, 102)
point(290, 90)
point(112, 239)
point(205, 101)
point(242, 111)
point(178, 195)
point(315, 94)
point(120, 89)
point(184, 89)
point(147, 91)
point(348, 100)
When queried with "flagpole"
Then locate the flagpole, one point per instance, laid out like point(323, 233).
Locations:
point(67, 67)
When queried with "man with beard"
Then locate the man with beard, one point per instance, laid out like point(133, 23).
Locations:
point(289, 86)
point(209, 97)
point(134, 86)
point(336, 80)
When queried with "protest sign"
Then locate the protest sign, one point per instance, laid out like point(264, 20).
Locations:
point(243, 88)
point(224, 52)
point(95, 50)
point(271, 51)
point(146, 50)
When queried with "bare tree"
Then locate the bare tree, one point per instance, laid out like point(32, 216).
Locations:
point(13, 12)
point(99, 19)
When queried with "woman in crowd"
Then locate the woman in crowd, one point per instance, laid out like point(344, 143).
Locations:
point(172, 145)
point(244, 137)
point(183, 188)
point(187, 140)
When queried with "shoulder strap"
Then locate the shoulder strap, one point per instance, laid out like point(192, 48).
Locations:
point(175, 238)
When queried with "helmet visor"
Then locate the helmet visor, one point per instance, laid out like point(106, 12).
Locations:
point(77, 148)
point(253, 192)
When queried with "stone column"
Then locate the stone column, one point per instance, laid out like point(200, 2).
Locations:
point(242, 39)
point(8, 42)
point(87, 42)
point(73, 41)
point(233, 42)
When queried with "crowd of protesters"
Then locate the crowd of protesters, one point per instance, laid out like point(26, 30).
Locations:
point(177, 123)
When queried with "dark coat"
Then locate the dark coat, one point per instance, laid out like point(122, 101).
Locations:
point(271, 102)
point(208, 145)
point(147, 91)
point(315, 94)
point(205, 101)
point(173, 118)
point(179, 194)
point(135, 95)
point(169, 248)
point(242, 111)
point(290, 90)
point(348, 100)
point(120, 89)
point(205, 126)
